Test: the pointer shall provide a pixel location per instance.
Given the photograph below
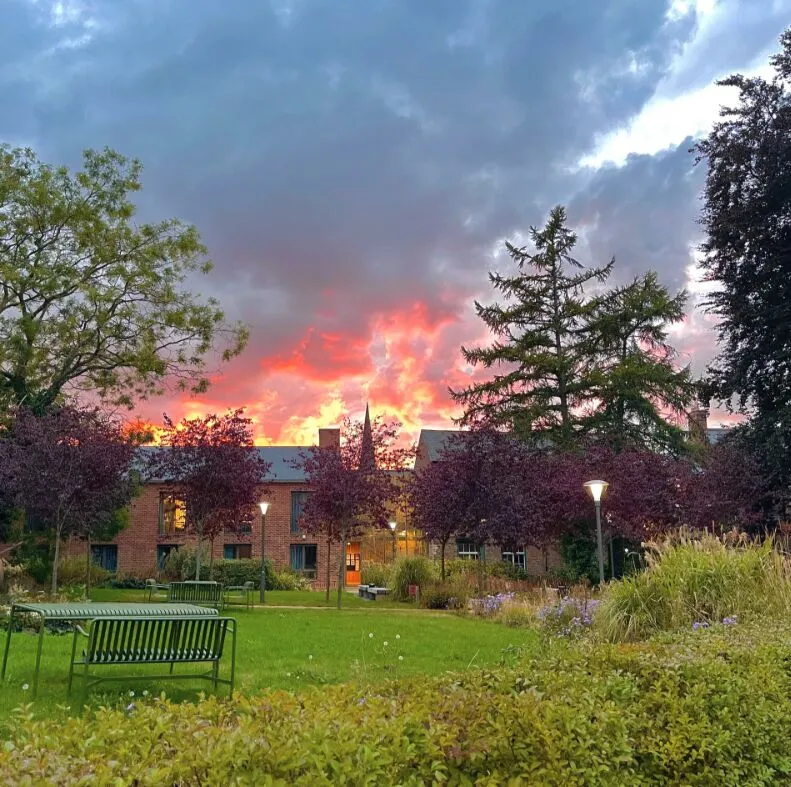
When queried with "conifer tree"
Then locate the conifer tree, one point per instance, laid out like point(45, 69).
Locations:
point(640, 388)
point(542, 349)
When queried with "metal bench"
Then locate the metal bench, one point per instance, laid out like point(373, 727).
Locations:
point(181, 639)
point(154, 588)
point(205, 593)
point(239, 594)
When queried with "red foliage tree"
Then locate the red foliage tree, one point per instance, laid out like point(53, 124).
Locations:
point(348, 496)
point(69, 468)
point(211, 464)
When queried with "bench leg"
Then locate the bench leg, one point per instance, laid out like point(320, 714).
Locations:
point(233, 660)
point(71, 666)
point(172, 664)
point(38, 656)
point(7, 641)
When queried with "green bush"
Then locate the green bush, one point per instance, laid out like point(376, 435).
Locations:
point(71, 571)
point(286, 579)
point(443, 595)
point(377, 574)
point(695, 581)
point(711, 708)
point(411, 571)
point(127, 583)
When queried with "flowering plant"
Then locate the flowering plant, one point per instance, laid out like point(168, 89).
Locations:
point(569, 616)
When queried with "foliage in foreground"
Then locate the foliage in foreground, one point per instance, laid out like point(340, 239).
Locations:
point(700, 581)
point(708, 707)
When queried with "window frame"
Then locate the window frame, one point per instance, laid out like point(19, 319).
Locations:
point(235, 549)
point(297, 508)
point(515, 553)
point(103, 550)
point(473, 552)
point(305, 570)
point(164, 497)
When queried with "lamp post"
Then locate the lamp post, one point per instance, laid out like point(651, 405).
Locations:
point(393, 524)
point(596, 488)
point(264, 506)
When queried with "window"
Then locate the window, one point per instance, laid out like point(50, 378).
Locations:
point(246, 523)
point(172, 515)
point(163, 553)
point(105, 555)
point(237, 551)
point(303, 558)
point(516, 559)
point(298, 501)
point(468, 550)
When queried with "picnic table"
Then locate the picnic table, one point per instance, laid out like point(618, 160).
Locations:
point(91, 610)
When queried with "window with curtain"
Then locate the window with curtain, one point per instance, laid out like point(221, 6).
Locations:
point(298, 501)
point(304, 558)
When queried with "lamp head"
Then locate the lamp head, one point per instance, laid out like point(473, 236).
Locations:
point(393, 525)
point(596, 488)
point(264, 506)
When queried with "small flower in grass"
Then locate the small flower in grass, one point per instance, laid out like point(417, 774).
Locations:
point(145, 692)
point(400, 658)
point(371, 635)
point(288, 674)
point(398, 636)
point(310, 658)
point(130, 707)
point(730, 620)
point(131, 694)
point(385, 643)
point(25, 687)
point(700, 624)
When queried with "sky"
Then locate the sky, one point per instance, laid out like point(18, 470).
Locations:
point(355, 167)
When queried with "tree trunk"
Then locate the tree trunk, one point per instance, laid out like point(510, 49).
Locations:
point(329, 568)
point(442, 559)
point(342, 567)
point(211, 559)
point(54, 586)
point(197, 560)
point(88, 566)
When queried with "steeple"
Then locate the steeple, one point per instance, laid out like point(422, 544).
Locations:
point(367, 454)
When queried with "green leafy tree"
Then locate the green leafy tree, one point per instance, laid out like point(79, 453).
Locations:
point(542, 348)
point(639, 384)
point(88, 298)
point(747, 254)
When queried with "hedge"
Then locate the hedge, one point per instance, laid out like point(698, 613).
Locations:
point(711, 707)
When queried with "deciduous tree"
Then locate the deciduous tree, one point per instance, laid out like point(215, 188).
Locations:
point(88, 298)
point(70, 468)
point(212, 465)
point(347, 494)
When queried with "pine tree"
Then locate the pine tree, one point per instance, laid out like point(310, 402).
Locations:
point(542, 347)
point(640, 388)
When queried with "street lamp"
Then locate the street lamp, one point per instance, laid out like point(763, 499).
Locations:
point(393, 524)
point(264, 506)
point(596, 488)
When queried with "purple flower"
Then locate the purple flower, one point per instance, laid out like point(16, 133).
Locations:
point(703, 624)
point(730, 620)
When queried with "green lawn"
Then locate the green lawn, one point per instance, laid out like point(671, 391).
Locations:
point(274, 598)
point(290, 649)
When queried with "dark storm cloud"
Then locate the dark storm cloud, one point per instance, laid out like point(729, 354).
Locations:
point(644, 213)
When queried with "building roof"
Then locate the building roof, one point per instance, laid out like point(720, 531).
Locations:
point(279, 457)
point(431, 442)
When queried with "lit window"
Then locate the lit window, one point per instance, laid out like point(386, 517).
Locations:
point(172, 515)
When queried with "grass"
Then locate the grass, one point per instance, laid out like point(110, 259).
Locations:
point(274, 598)
point(289, 649)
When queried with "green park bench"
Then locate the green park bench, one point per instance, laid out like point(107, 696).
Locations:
point(156, 590)
point(239, 594)
point(204, 593)
point(134, 641)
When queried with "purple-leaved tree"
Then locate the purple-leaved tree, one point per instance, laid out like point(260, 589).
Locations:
point(352, 484)
point(212, 465)
point(70, 468)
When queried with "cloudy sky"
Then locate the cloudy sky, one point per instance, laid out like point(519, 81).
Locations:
point(355, 165)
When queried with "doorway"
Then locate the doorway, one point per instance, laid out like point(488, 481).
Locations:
point(353, 563)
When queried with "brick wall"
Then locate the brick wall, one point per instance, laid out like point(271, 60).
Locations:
point(137, 544)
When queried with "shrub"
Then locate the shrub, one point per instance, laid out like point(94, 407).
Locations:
point(128, 583)
point(377, 574)
point(447, 595)
point(286, 579)
point(710, 710)
point(691, 581)
point(72, 572)
point(411, 571)
point(516, 613)
point(568, 617)
point(237, 572)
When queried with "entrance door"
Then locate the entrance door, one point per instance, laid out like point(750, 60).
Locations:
point(353, 563)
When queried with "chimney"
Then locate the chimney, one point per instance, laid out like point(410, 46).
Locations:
point(330, 438)
point(698, 425)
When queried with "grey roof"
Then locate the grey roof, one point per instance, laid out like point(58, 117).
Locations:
point(432, 441)
point(716, 433)
point(279, 457)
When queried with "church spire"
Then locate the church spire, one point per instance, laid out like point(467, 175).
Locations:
point(367, 454)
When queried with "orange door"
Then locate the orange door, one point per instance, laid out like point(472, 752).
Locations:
point(353, 563)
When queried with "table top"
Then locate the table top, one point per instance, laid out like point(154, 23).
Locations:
point(104, 609)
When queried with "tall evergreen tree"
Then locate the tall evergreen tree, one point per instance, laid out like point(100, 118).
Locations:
point(747, 252)
point(542, 347)
point(640, 387)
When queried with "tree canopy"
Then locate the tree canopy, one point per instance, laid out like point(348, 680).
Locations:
point(90, 299)
point(70, 468)
point(573, 359)
point(212, 465)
